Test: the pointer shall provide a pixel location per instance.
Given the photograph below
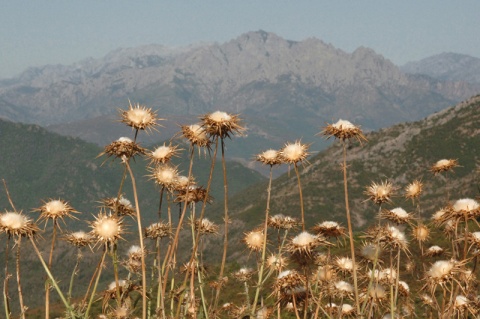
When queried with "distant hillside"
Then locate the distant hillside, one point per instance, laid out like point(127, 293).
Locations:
point(283, 89)
point(400, 154)
point(38, 165)
point(447, 67)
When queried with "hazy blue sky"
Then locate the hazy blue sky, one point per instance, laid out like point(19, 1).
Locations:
point(37, 32)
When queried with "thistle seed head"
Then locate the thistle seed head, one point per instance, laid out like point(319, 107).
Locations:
point(139, 117)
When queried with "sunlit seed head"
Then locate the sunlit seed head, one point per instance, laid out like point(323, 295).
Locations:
point(343, 130)
point(254, 240)
point(414, 189)
point(294, 152)
point(461, 301)
point(380, 193)
point(17, 224)
point(347, 309)
point(344, 264)
point(269, 157)
point(444, 165)
point(397, 215)
point(205, 226)
point(434, 251)
point(221, 124)
point(79, 238)
point(243, 274)
point(196, 134)
point(276, 262)
point(343, 286)
point(280, 221)
point(325, 273)
point(329, 229)
point(421, 233)
point(397, 237)
point(466, 205)
point(163, 154)
point(107, 228)
point(54, 209)
point(165, 175)
point(441, 269)
point(122, 148)
point(139, 117)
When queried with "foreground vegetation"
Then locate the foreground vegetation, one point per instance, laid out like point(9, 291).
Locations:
point(298, 269)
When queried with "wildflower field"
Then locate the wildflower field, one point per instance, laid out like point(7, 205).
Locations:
point(294, 268)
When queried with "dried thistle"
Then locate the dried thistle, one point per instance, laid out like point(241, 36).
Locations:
point(79, 238)
point(122, 206)
point(344, 130)
point(55, 209)
point(124, 147)
point(163, 154)
point(196, 134)
point(293, 153)
point(139, 117)
point(398, 215)
point(107, 228)
point(254, 240)
point(158, 230)
point(380, 193)
point(221, 124)
point(17, 224)
point(414, 189)
point(444, 165)
point(269, 157)
point(329, 229)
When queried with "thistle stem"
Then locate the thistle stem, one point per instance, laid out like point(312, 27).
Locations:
point(50, 259)
point(92, 296)
point(19, 285)
point(142, 247)
point(6, 304)
point(349, 223)
point(301, 196)
point(264, 248)
point(55, 285)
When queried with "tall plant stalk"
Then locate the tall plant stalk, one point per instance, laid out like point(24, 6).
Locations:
point(349, 224)
point(142, 246)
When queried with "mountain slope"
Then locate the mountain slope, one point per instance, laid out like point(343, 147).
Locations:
point(283, 89)
point(447, 67)
point(400, 154)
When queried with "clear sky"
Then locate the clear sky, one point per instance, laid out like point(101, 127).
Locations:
point(38, 32)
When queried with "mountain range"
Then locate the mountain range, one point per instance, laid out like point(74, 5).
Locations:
point(284, 90)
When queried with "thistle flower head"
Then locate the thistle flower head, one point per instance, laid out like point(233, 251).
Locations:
point(295, 152)
point(398, 215)
point(139, 117)
point(165, 175)
point(380, 193)
point(205, 226)
point(163, 153)
point(305, 243)
point(329, 229)
point(324, 273)
point(124, 147)
point(414, 189)
point(221, 124)
point(343, 288)
point(269, 157)
point(434, 251)
point(158, 230)
point(193, 194)
point(254, 240)
point(276, 262)
point(467, 206)
point(135, 252)
point(107, 228)
point(281, 221)
point(442, 271)
point(444, 165)
point(344, 264)
point(243, 274)
point(196, 134)
point(395, 238)
point(79, 238)
point(344, 130)
point(421, 233)
point(55, 209)
point(377, 292)
point(121, 206)
point(17, 224)
point(289, 283)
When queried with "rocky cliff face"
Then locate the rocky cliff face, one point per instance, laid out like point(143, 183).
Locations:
point(447, 67)
point(283, 89)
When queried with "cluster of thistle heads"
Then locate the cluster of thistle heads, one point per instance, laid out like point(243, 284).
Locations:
point(306, 272)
